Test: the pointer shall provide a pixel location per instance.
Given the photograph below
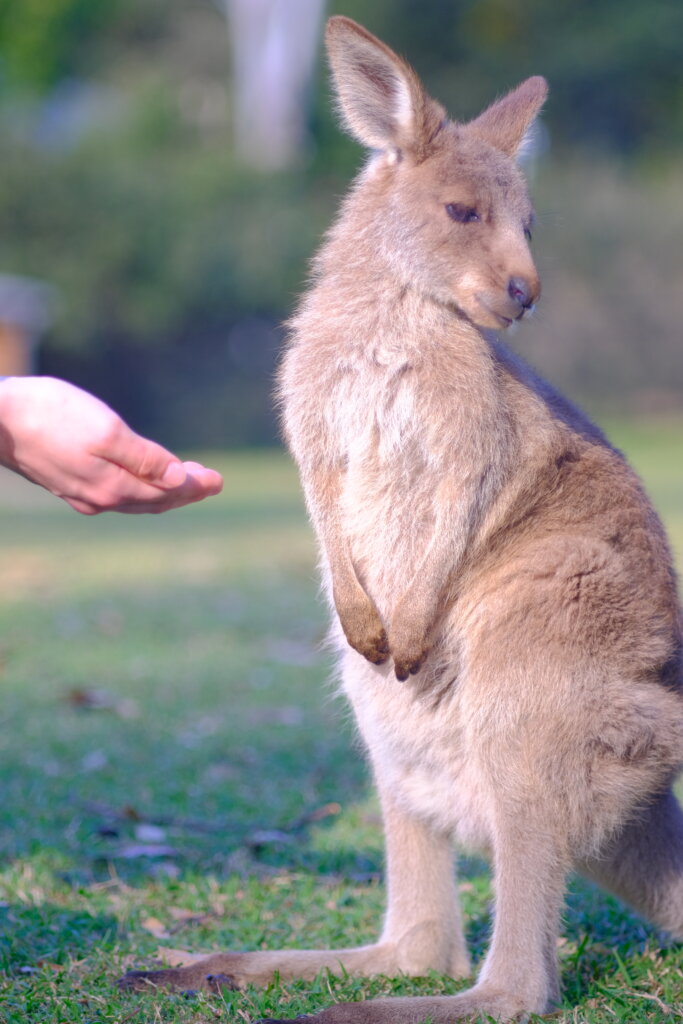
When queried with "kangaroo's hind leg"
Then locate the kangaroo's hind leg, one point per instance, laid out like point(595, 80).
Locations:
point(423, 923)
point(519, 975)
point(422, 930)
point(643, 863)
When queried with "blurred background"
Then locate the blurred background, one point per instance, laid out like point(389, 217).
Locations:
point(168, 166)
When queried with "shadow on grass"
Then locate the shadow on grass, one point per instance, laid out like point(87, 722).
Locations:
point(600, 938)
point(36, 936)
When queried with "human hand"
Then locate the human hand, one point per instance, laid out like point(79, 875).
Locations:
point(79, 449)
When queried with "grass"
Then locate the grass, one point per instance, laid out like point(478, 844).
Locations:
point(165, 780)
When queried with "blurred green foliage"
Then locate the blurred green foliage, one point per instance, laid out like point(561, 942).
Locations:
point(616, 66)
point(175, 264)
point(44, 40)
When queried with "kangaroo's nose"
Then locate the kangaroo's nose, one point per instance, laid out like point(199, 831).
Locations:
point(521, 292)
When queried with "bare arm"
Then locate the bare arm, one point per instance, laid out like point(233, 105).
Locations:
point(76, 447)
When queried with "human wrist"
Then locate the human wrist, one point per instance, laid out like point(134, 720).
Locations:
point(6, 439)
point(12, 398)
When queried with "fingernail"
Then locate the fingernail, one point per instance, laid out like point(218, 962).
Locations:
point(174, 475)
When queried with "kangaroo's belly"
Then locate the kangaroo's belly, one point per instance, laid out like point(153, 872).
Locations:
point(419, 748)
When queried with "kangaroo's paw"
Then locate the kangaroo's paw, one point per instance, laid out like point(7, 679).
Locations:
point(409, 639)
point(409, 654)
point(408, 664)
point(365, 631)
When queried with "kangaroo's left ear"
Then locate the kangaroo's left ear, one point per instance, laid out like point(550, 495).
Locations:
point(381, 99)
point(508, 123)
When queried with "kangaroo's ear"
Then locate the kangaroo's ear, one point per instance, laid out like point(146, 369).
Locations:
point(508, 123)
point(381, 99)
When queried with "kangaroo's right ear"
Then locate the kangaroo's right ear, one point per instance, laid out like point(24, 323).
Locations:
point(381, 99)
point(508, 123)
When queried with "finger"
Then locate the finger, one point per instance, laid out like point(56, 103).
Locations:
point(208, 480)
point(142, 458)
point(139, 497)
point(86, 508)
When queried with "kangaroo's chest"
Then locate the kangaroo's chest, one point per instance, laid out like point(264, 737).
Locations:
point(373, 410)
point(387, 497)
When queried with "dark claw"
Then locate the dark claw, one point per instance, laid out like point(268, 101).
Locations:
point(375, 652)
point(403, 670)
point(282, 1020)
point(133, 979)
point(218, 981)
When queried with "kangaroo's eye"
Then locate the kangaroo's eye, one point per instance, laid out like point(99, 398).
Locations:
point(461, 214)
point(527, 234)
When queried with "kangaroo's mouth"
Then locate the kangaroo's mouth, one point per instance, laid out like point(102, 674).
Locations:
point(500, 315)
point(492, 316)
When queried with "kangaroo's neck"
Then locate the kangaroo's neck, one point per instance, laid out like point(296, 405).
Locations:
point(373, 311)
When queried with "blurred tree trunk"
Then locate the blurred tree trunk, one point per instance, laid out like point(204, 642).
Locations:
point(274, 45)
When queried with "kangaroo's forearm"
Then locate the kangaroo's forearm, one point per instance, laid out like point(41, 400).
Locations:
point(357, 612)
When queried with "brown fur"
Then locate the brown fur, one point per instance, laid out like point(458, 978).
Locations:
point(506, 610)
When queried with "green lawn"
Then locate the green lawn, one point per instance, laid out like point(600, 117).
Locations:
point(176, 770)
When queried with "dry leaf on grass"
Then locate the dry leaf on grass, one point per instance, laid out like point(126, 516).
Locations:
point(147, 833)
point(131, 851)
point(155, 927)
point(185, 917)
point(93, 699)
point(182, 914)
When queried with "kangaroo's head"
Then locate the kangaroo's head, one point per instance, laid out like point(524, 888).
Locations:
point(448, 199)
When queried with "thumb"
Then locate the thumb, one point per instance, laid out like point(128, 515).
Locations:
point(145, 459)
point(174, 474)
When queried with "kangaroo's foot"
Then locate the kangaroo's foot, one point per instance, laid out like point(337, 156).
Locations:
point(480, 1003)
point(237, 970)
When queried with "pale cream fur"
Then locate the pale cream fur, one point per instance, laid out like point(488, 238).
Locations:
point(505, 604)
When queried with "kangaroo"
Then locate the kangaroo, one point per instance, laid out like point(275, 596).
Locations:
point(504, 600)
